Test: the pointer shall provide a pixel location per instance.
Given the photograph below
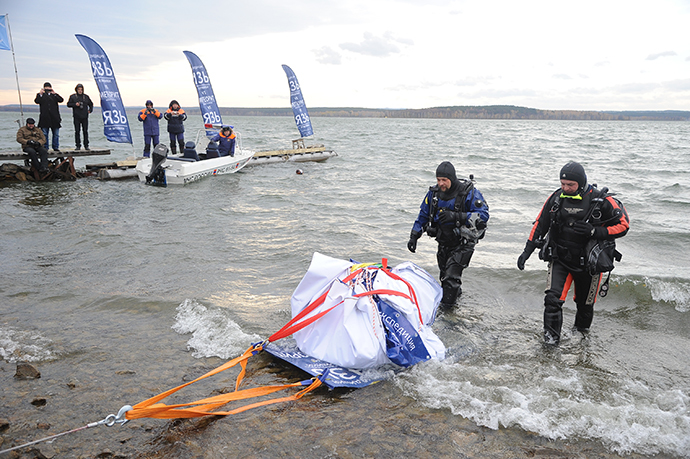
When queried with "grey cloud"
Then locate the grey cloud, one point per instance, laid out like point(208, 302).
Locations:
point(561, 76)
point(326, 55)
point(677, 85)
point(376, 46)
point(655, 56)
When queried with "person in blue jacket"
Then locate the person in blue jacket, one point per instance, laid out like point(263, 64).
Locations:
point(226, 141)
point(455, 213)
point(150, 116)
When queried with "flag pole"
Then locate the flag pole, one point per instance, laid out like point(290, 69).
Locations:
point(16, 74)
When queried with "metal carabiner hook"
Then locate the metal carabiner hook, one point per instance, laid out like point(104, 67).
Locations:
point(112, 419)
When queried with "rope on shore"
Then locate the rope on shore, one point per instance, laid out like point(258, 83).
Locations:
point(109, 421)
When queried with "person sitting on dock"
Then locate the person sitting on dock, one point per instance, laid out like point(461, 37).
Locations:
point(150, 116)
point(32, 140)
point(226, 141)
point(176, 117)
point(190, 151)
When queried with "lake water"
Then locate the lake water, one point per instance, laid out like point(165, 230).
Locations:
point(116, 291)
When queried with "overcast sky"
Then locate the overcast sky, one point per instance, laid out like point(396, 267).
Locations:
point(551, 54)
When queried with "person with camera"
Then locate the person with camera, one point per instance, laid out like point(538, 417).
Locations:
point(81, 106)
point(176, 116)
point(49, 118)
point(150, 116)
point(571, 217)
point(455, 213)
point(32, 140)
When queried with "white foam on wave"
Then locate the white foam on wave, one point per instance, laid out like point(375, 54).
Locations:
point(675, 292)
point(24, 346)
point(628, 418)
point(214, 334)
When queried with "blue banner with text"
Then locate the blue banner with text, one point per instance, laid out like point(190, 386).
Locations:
point(115, 124)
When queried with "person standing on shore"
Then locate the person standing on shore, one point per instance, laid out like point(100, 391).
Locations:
point(150, 116)
point(573, 215)
point(455, 213)
point(176, 117)
point(49, 118)
point(81, 106)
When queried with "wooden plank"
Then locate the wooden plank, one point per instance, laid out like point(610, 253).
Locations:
point(293, 151)
point(20, 156)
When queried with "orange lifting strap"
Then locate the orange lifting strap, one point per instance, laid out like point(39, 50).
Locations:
point(151, 408)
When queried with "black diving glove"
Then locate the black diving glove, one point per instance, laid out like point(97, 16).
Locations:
point(584, 228)
point(449, 216)
point(529, 248)
point(412, 243)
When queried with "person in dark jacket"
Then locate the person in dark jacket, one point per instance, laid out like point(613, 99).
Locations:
point(176, 117)
point(150, 116)
point(455, 213)
point(571, 216)
point(49, 118)
point(81, 106)
point(226, 141)
point(32, 140)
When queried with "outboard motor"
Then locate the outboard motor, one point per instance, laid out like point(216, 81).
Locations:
point(156, 176)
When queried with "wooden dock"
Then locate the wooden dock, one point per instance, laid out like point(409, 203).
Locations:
point(61, 165)
point(21, 156)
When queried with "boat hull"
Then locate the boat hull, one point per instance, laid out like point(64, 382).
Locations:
point(179, 172)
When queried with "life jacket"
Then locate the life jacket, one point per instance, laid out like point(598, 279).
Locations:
point(446, 234)
point(561, 242)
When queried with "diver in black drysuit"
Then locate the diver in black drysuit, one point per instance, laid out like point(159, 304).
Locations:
point(455, 213)
point(572, 215)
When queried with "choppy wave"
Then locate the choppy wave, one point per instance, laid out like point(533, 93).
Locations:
point(674, 292)
point(213, 333)
point(24, 346)
point(629, 417)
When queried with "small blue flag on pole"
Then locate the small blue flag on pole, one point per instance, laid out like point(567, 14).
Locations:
point(4, 36)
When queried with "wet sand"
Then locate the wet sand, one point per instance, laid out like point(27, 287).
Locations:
point(377, 421)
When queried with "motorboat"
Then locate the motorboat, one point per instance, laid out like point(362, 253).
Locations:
point(162, 170)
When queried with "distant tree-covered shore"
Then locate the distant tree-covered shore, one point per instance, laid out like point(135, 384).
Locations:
point(491, 112)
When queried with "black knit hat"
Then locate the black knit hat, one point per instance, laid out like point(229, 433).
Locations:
point(447, 170)
point(30, 121)
point(575, 172)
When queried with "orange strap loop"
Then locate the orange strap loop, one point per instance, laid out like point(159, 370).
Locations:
point(151, 408)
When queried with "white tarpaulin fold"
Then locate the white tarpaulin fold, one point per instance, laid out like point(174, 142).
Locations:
point(367, 331)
